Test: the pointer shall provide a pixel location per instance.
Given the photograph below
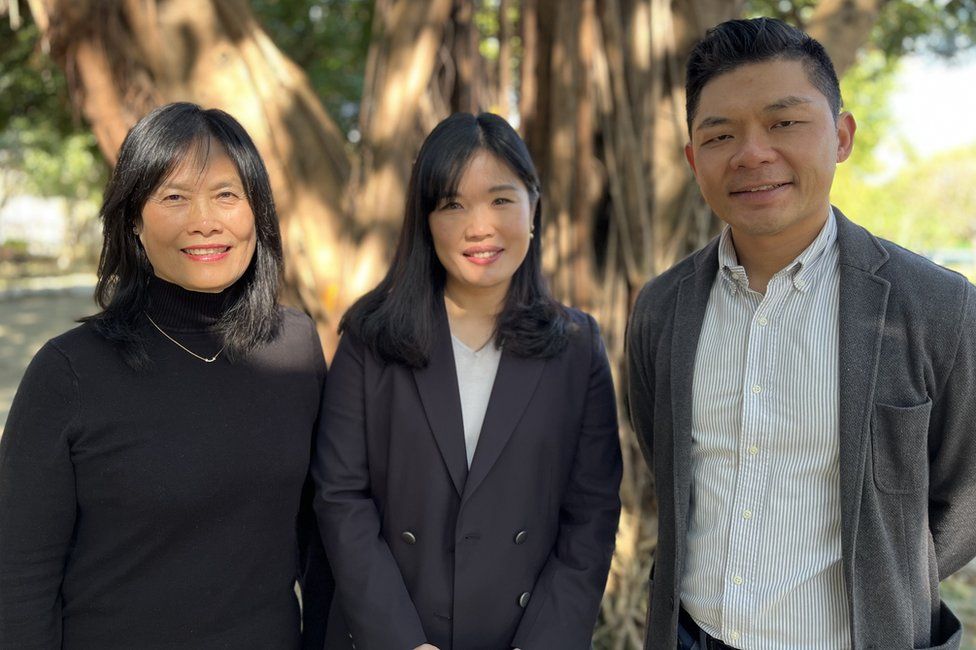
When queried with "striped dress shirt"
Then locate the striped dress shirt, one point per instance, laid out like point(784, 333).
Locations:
point(763, 568)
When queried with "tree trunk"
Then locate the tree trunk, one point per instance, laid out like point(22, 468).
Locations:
point(601, 105)
point(125, 57)
point(607, 132)
point(401, 102)
point(842, 27)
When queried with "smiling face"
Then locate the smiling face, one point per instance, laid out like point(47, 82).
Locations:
point(764, 146)
point(481, 235)
point(197, 227)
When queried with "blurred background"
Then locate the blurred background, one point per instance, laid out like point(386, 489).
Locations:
point(338, 95)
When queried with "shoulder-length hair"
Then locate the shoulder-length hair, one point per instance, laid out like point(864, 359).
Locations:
point(396, 319)
point(152, 150)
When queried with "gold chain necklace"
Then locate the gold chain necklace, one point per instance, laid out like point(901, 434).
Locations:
point(183, 347)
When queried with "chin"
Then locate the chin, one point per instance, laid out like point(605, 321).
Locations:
point(209, 287)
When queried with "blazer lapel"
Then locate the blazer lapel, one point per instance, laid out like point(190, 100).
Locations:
point(438, 388)
point(515, 383)
point(862, 303)
point(689, 316)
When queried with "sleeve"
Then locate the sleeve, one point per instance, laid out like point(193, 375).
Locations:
point(566, 600)
point(314, 573)
point(952, 453)
point(369, 586)
point(640, 392)
point(37, 503)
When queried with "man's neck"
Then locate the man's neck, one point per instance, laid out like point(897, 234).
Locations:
point(763, 256)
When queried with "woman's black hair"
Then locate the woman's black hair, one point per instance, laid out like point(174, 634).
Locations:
point(396, 319)
point(151, 151)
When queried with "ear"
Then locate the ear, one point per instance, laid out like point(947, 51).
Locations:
point(690, 157)
point(846, 126)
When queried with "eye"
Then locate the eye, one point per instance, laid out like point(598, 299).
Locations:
point(502, 200)
point(785, 123)
point(171, 198)
point(227, 195)
point(450, 205)
point(718, 138)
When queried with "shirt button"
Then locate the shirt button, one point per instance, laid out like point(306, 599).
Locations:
point(757, 389)
point(747, 514)
point(753, 450)
point(734, 635)
point(763, 321)
point(737, 580)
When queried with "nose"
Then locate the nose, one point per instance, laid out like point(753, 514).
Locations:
point(754, 150)
point(480, 225)
point(203, 219)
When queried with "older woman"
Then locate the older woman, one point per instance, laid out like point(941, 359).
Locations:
point(468, 464)
point(153, 463)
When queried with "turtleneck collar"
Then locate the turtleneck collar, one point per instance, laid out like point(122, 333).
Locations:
point(176, 308)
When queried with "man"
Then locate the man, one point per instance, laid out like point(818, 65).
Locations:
point(803, 391)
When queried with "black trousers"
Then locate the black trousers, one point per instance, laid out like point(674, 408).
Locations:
point(692, 637)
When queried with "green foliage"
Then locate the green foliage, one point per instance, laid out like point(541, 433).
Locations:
point(31, 85)
point(866, 89)
point(329, 40)
point(942, 27)
point(929, 206)
point(50, 151)
point(52, 163)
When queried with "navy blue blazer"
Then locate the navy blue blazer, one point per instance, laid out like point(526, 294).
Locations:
point(513, 552)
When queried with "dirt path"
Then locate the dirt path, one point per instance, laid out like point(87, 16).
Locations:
point(26, 322)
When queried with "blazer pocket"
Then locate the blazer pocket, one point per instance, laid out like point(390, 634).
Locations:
point(899, 438)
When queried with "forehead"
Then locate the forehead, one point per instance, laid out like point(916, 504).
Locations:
point(485, 169)
point(755, 86)
point(200, 159)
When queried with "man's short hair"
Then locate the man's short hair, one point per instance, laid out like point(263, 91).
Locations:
point(735, 43)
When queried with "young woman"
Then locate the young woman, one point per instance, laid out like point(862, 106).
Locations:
point(154, 458)
point(468, 462)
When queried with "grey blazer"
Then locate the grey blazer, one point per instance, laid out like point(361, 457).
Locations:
point(907, 433)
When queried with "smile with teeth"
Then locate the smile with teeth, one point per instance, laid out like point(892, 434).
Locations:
point(760, 188)
point(483, 254)
point(206, 251)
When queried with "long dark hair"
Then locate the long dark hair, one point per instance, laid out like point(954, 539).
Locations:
point(396, 319)
point(151, 151)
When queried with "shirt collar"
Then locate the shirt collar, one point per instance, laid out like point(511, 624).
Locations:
point(801, 270)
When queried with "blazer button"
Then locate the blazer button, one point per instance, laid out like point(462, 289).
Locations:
point(520, 537)
point(408, 537)
point(524, 599)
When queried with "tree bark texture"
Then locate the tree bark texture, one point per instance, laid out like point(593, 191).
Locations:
point(600, 96)
point(125, 57)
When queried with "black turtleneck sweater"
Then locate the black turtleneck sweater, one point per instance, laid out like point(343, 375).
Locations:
point(163, 508)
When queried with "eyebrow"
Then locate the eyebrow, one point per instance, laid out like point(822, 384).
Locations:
point(494, 188)
point(503, 187)
point(222, 183)
point(786, 102)
point(712, 121)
